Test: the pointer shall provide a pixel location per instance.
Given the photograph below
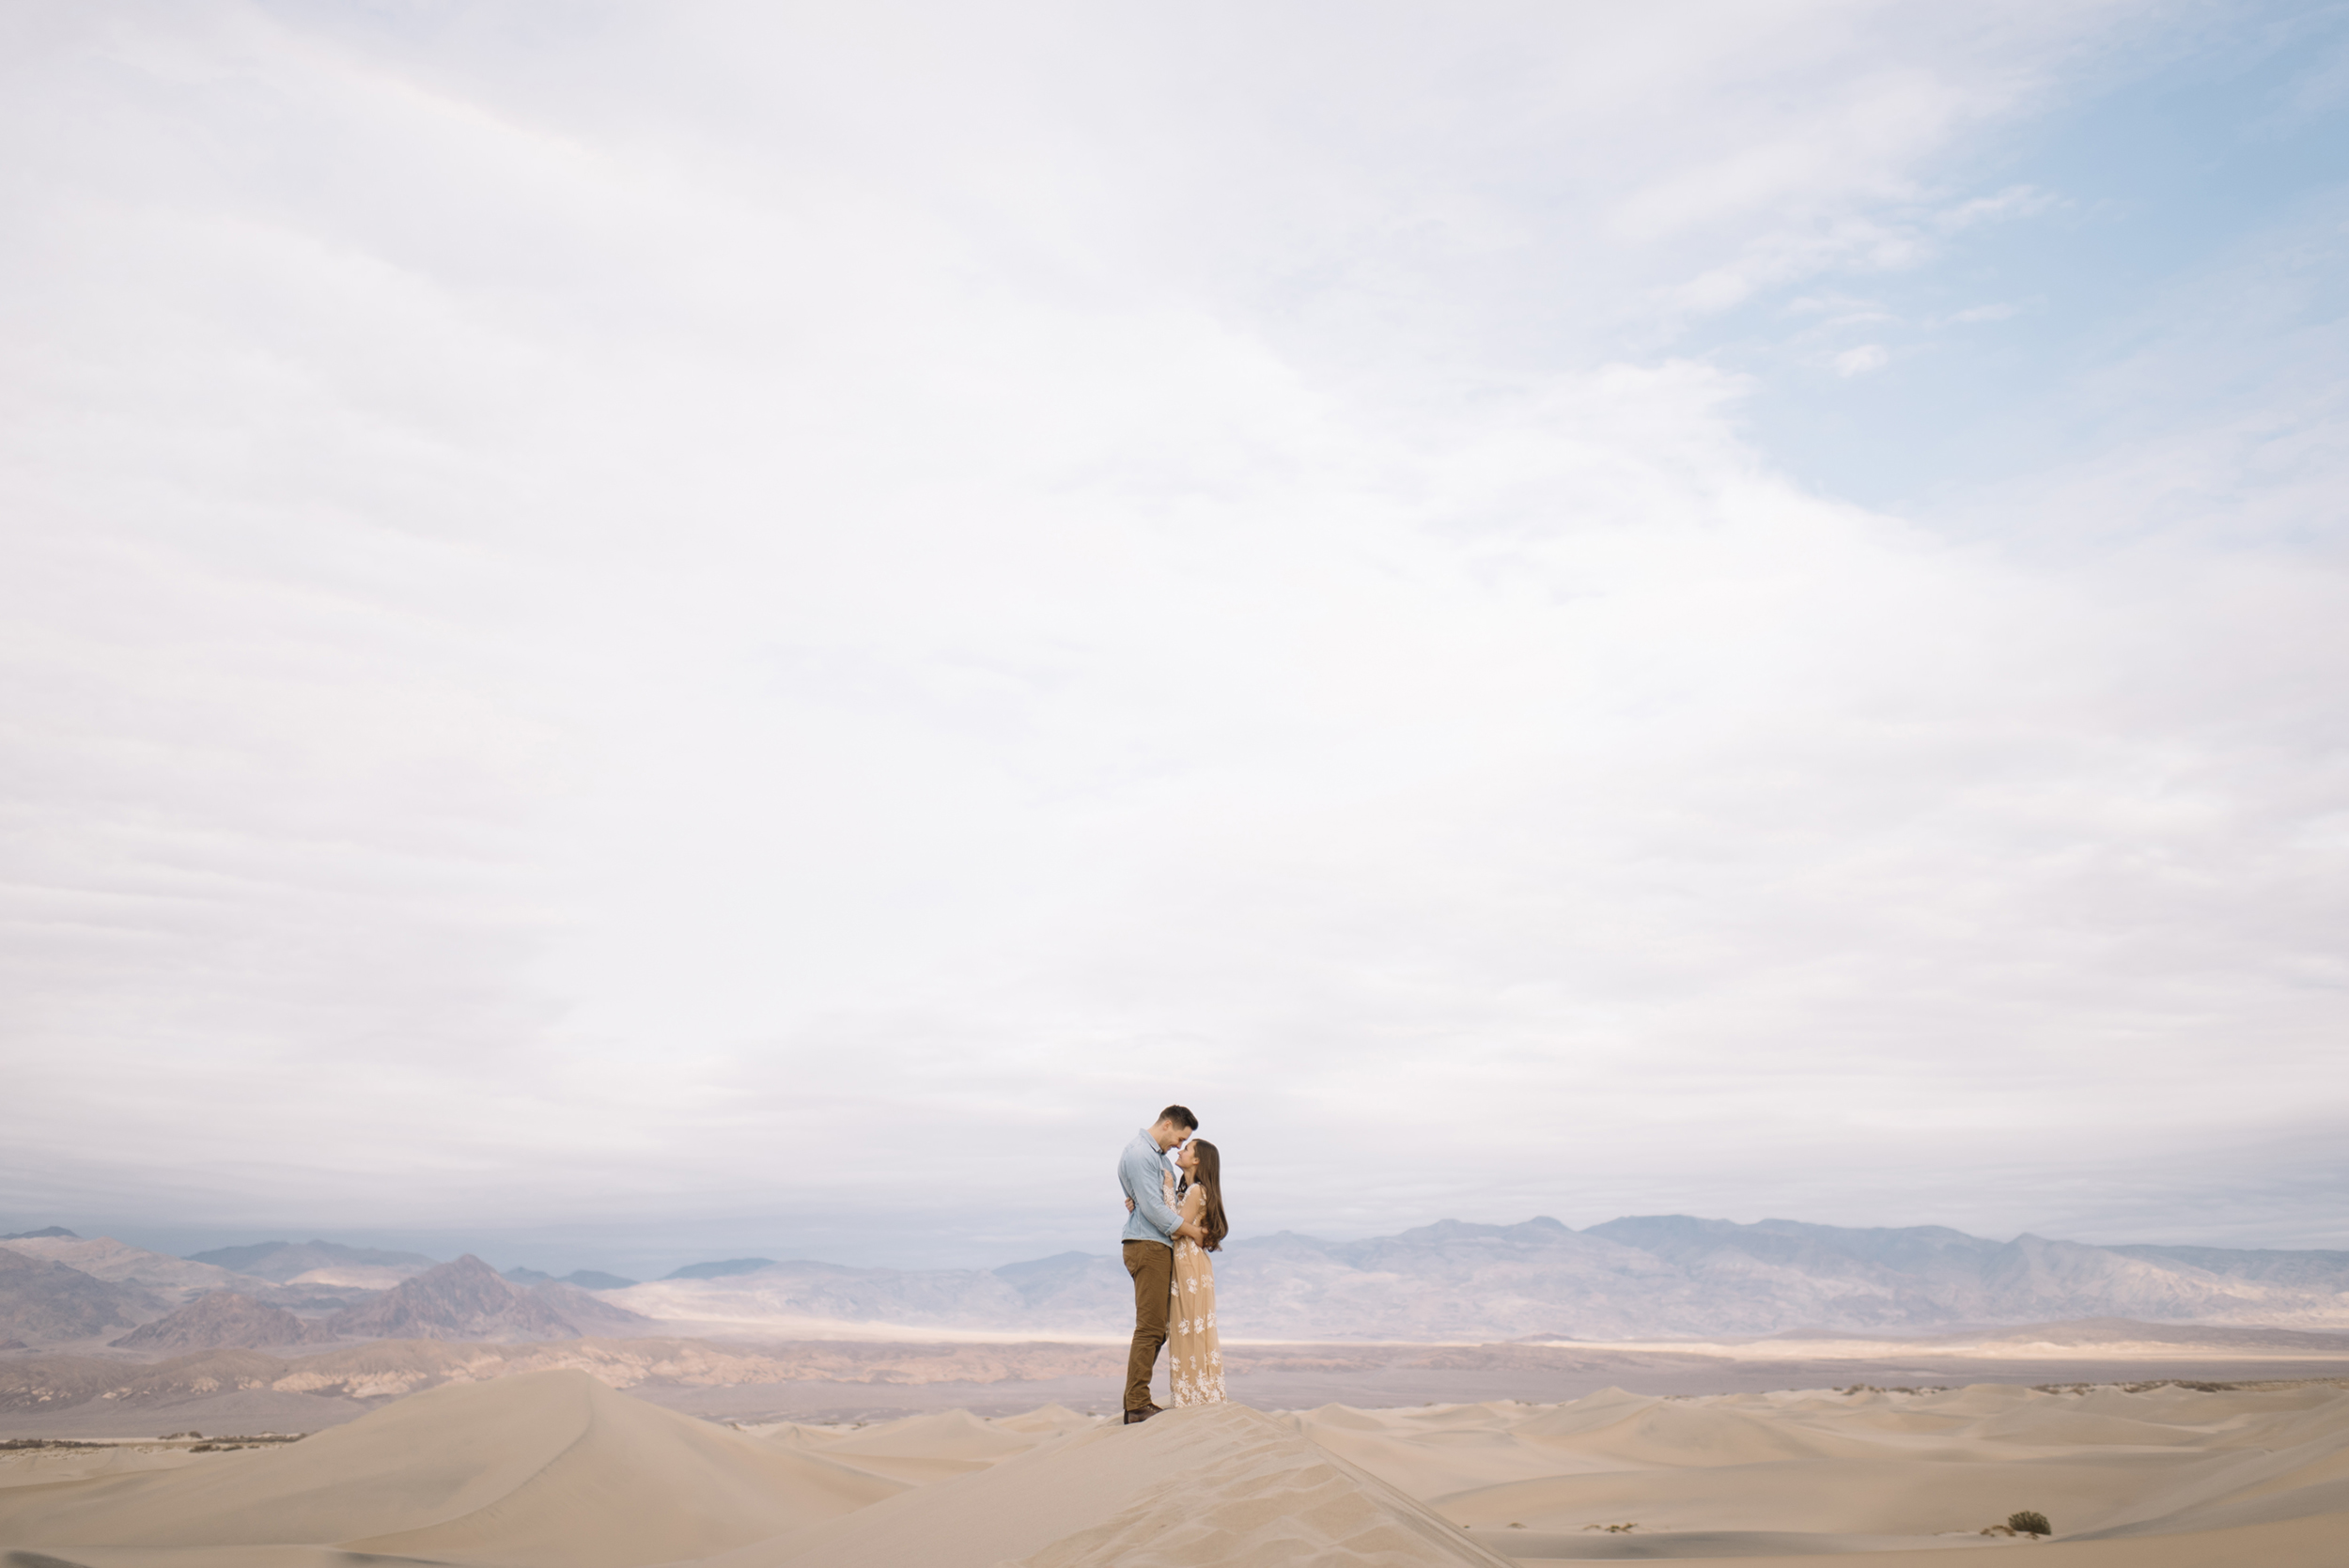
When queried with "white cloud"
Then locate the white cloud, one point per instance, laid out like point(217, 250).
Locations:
point(791, 617)
point(2015, 201)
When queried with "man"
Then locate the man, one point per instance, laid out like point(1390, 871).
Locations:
point(1151, 1228)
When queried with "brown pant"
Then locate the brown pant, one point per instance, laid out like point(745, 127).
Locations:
point(1151, 1265)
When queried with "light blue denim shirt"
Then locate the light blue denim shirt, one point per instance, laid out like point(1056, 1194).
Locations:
point(1141, 1170)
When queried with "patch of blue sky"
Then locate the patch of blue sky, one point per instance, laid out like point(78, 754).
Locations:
point(2165, 240)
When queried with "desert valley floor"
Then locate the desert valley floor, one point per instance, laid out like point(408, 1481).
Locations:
point(555, 1467)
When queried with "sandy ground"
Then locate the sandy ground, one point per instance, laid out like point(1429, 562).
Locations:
point(554, 1467)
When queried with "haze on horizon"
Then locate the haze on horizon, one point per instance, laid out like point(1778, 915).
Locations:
point(676, 630)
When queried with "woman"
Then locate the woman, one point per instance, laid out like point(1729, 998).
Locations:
point(1196, 1370)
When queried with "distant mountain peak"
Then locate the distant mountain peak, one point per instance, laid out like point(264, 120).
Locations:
point(282, 1261)
point(467, 1299)
point(221, 1320)
point(586, 1278)
point(1057, 1262)
point(58, 1231)
point(42, 1300)
point(596, 1278)
point(719, 1271)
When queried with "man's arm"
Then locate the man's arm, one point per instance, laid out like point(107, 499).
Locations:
point(1139, 1174)
point(1189, 1230)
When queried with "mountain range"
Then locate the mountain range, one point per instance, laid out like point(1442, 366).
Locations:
point(84, 1290)
point(467, 1299)
point(1664, 1275)
point(1659, 1276)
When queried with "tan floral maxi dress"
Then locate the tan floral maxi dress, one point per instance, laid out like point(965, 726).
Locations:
point(1196, 1366)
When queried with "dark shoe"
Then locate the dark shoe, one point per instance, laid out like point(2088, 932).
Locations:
point(1135, 1417)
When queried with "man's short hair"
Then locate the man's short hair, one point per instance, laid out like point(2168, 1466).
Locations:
point(1180, 1115)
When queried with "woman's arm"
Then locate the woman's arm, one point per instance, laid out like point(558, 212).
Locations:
point(1194, 1204)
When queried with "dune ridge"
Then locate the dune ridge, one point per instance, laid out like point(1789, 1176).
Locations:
point(543, 1466)
point(550, 1468)
point(1221, 1484)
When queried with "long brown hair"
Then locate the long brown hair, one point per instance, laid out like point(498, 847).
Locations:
point(1210, 1180)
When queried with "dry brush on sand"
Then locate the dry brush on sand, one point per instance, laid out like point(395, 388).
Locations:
point(554, 1467)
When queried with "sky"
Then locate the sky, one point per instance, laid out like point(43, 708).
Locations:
point(632, 633)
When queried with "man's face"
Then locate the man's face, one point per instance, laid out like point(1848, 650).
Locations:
point(1168, 1134)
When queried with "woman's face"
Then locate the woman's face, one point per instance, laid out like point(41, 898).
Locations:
point(1186, 1161)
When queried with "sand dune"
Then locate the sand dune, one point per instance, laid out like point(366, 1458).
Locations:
point(1786, 1475)
point(547, 1467)
point(552, 1467)
point(1223, 1485)
point(922, 1449)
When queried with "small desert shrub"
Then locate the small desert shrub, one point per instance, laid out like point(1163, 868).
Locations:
point(2030, 1522)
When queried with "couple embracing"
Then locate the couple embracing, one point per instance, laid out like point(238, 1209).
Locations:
point(1175, 1218)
